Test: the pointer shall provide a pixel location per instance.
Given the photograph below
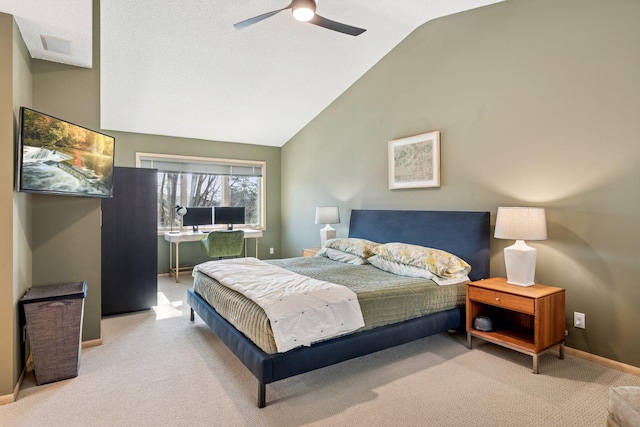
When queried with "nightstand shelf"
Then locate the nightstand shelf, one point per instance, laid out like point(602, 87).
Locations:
point(526, 319)
point(516, 338)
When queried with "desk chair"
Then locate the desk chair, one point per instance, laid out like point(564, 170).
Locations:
point(220, 244)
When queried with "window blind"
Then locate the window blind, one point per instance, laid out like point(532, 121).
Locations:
point(200, 167)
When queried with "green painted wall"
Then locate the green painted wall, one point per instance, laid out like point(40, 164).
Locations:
point(66, 230)
point(15, 217)
point(22, 202)
point(7, 300)
point(538, 103)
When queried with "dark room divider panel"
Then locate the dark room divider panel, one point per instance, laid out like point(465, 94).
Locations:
point(129, 242)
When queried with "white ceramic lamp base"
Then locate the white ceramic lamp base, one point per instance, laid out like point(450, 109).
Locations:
point(520, 260)
point(328, 232)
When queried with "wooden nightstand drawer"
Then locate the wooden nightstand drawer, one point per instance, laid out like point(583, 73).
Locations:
point(310, 251)
point(503, 299)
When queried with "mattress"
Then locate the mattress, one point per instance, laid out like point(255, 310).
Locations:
point(384, 298)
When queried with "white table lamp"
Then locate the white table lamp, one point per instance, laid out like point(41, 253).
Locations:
point(327, 215)
point(520, 224)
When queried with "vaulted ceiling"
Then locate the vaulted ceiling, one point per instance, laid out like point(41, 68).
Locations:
point(180, 68)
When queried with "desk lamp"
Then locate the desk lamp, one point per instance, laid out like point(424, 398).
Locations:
point(327, 215)
point(520, 224)
point(180, 211)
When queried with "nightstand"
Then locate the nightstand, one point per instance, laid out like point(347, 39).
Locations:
point(526, 319)
point(310, 251)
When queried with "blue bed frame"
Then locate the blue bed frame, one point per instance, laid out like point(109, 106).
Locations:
point(465, 234)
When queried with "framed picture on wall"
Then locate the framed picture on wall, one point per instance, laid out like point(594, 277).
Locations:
point(414, 162)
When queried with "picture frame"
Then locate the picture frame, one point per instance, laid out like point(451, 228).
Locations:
point(414, 162)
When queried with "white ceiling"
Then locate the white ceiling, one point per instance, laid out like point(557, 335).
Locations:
point(180, 68)
point(69, 20)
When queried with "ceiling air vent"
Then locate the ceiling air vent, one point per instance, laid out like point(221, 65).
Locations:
point(54, 44)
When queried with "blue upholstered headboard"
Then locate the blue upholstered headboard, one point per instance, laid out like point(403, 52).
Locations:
point(465, 234)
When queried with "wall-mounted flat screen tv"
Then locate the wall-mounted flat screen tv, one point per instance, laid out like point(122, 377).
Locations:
point(58, 157)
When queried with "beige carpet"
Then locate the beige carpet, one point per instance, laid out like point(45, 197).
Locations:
point(157, 368)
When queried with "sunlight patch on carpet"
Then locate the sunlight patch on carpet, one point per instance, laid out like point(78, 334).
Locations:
point(167, 309)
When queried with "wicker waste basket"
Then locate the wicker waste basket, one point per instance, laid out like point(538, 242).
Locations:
point(53, 315)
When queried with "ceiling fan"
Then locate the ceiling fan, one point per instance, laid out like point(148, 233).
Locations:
point(305, 10)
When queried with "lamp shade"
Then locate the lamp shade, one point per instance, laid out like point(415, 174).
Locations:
point(518, 223)
point(327, 215)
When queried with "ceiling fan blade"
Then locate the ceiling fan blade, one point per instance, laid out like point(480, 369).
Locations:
point(336, 26)
point(256, 19)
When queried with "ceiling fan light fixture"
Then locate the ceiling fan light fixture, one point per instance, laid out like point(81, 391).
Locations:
point(303, 14)
point(303, 10)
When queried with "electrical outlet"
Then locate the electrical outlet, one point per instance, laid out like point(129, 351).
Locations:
point(271, 251)
point(579, 320)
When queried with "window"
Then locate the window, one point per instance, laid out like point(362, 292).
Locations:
point(201, 181)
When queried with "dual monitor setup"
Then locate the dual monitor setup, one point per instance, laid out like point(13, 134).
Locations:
point(197, 216)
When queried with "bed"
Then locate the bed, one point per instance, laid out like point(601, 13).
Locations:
point(464, 234)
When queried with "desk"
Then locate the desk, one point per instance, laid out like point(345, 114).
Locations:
point(177, 238)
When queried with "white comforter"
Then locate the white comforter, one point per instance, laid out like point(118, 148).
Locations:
point(301, 310)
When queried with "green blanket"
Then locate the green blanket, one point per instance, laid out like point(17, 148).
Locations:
point(384, 297)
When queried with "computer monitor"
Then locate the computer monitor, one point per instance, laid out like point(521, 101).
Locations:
point(228, 215)
point(198, 216)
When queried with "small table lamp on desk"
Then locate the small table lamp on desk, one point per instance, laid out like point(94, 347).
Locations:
point(327, 215)
point(180, 211)
point(520, 224)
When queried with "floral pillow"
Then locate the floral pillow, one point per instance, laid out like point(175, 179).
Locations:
point(411, 271)
point(439, 262)
point(359, 247)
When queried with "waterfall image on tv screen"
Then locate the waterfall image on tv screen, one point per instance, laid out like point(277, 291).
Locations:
point(59, 157)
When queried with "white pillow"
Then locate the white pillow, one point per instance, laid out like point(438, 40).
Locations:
point(400, 269)
point(341, 256)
